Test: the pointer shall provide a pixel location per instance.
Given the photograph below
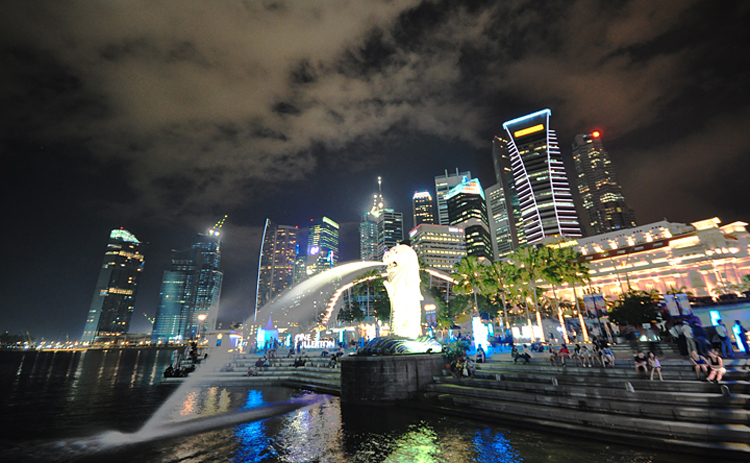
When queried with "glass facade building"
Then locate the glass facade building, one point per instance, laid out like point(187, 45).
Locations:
point(277, 262)
point(191, 290)
point(604, 207)
point(322, 246)
point(114, 297)
point(439, 247)
point(467, 208)
point(545, 200)
point(423, 209)
point(443, 184)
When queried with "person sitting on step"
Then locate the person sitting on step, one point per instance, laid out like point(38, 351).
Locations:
point(716, 363)
point(641, 364)
point(699, 363)
point(653, 362)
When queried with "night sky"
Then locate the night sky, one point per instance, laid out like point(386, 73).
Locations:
point(161, 117)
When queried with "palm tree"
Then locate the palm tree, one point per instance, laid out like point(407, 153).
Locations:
point(497, 281)
point(529, 265)
point(469, 277)
point(576, 271)
point(552, 272)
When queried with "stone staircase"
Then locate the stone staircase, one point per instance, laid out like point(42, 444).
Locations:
point(679, 413)
point(314, 376)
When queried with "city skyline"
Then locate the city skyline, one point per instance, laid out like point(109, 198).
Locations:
point(161, 125)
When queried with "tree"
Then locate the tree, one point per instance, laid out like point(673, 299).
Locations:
point(469, 277)
point(498, 278)
point(351, 312)
point(529, 268)
point(371, 286)
point(634, 308)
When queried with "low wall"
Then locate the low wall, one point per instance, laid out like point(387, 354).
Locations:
point(388, 378)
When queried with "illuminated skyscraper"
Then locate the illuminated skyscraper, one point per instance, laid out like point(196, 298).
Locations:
point(112, 305)
point(368, 236)
point(467, 208)
point(278, 260)
point(503, 206)
point(191, 290)
point(443, 184)
point(604, 207)
point(390, 230)
point(322, 245)
point(545, 200)
point(423, 210)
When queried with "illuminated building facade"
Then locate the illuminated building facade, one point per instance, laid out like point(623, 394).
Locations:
point(706, 258)
point(278, 261)
point(503, 206)
point(114, 297)
point(390, 230)
point(438, 247)
point(443, 184)
point(322, 246)
point(545, 200)
point(604, 207)
point(191, 290)
point(423, 210)
point(467, 208)
point(368, 236)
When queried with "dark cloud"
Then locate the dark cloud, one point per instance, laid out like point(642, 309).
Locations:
point(290, 110)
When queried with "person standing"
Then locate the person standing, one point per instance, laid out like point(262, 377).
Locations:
point(687, 331)
point(742, 337)
point(726, 342)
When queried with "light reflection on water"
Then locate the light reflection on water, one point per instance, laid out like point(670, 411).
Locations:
point(47, 397)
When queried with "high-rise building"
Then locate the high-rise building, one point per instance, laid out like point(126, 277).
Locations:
point(322, 246)
point(439, 247)
point(278, 261)
point(503, 206)
point(545, 200)
point(175, 298)
point(368, 237)
point(604, 207)
point(443, 184)
point(467, 208)
point(114, 297)
point(390, 230)
point(423, 210)
point(191, 290)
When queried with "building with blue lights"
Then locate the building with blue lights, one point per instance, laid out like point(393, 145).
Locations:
point(443, 184)
point(114, 297)
point(322, 246)
point(191, 290)
point(467, 208)
point(544, 195)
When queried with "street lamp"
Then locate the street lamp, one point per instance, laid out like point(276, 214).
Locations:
point(202, 319)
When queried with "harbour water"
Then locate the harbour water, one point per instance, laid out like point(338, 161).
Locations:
point(56, 406)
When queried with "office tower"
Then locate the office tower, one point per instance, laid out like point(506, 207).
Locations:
point(207, 283)
point(438, 247)
point(278, 261)
point(175, 298)
point(112, 304)
point(390, 230)
point(508, 208)
point(544, 195)
point(322, 246)
point(443, 184)
point(502, 230)
point(423, 210)
point(604, 207)
point(368, 236)
point(191, 290)
point(467, 208)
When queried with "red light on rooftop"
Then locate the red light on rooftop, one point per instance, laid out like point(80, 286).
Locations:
point(595, 134)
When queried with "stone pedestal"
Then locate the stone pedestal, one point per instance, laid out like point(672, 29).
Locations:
point(382, 380)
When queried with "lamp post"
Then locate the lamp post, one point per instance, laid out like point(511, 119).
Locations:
point(202, 319)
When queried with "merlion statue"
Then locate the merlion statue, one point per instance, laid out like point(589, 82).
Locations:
point(402, 266)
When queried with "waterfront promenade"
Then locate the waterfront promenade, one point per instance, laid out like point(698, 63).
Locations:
point(611, 404)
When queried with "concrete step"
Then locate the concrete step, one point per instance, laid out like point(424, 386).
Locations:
point(726, 440)
point(656, 406)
